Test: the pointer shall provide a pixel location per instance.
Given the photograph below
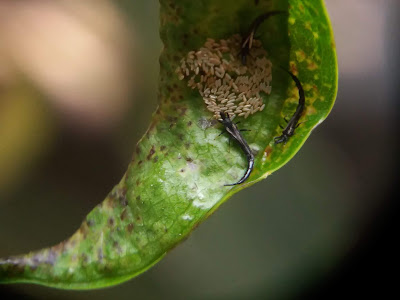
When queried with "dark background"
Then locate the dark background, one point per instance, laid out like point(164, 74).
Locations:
point(324, 226)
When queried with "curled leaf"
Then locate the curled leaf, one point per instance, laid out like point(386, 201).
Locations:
point(177, 175)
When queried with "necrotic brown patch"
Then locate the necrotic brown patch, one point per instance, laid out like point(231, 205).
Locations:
point(123, 215)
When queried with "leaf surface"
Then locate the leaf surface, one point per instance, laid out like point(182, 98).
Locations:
point(179, 168)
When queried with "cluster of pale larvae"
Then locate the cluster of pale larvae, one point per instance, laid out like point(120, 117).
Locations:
point(225, 84)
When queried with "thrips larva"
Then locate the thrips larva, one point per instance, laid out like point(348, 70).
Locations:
point(234, 132)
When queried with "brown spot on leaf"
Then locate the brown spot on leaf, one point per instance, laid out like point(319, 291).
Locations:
point(183, 111)
point(137, 182)
point(172, 119)
point(152, 126)
point(110, 201)
point(268, 150)
point(189, 123)
point(110, 221)
point(129, 227)
point(151, 152)
point(123, 215)
point(124, 201)
point(162, 148)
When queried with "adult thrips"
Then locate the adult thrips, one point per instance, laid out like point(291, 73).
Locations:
point(288, 131)
point(234, 132)
point(247, 40)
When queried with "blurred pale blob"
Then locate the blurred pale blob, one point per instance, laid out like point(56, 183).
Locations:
point(75, 54)
point(359, 28)
point(78, 53)
point(25, 131)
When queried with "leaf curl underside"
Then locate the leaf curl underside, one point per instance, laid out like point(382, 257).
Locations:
point(176, 177)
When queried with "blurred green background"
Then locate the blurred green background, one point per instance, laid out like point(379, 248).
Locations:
point(78, 85)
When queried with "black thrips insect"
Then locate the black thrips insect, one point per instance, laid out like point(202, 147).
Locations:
point(247, 40)
point(234, 132)
point(293, 122)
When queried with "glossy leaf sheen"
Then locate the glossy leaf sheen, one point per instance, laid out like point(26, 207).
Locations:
point(176, 177)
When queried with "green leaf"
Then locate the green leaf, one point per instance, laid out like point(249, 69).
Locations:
point(177, 175)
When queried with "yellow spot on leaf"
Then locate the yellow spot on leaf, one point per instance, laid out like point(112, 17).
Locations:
point(301, 56)
point(292, 21)
point(311, 65)
point(311, 110)
point(293, 68)
point(307, 25)
point(307, 87)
